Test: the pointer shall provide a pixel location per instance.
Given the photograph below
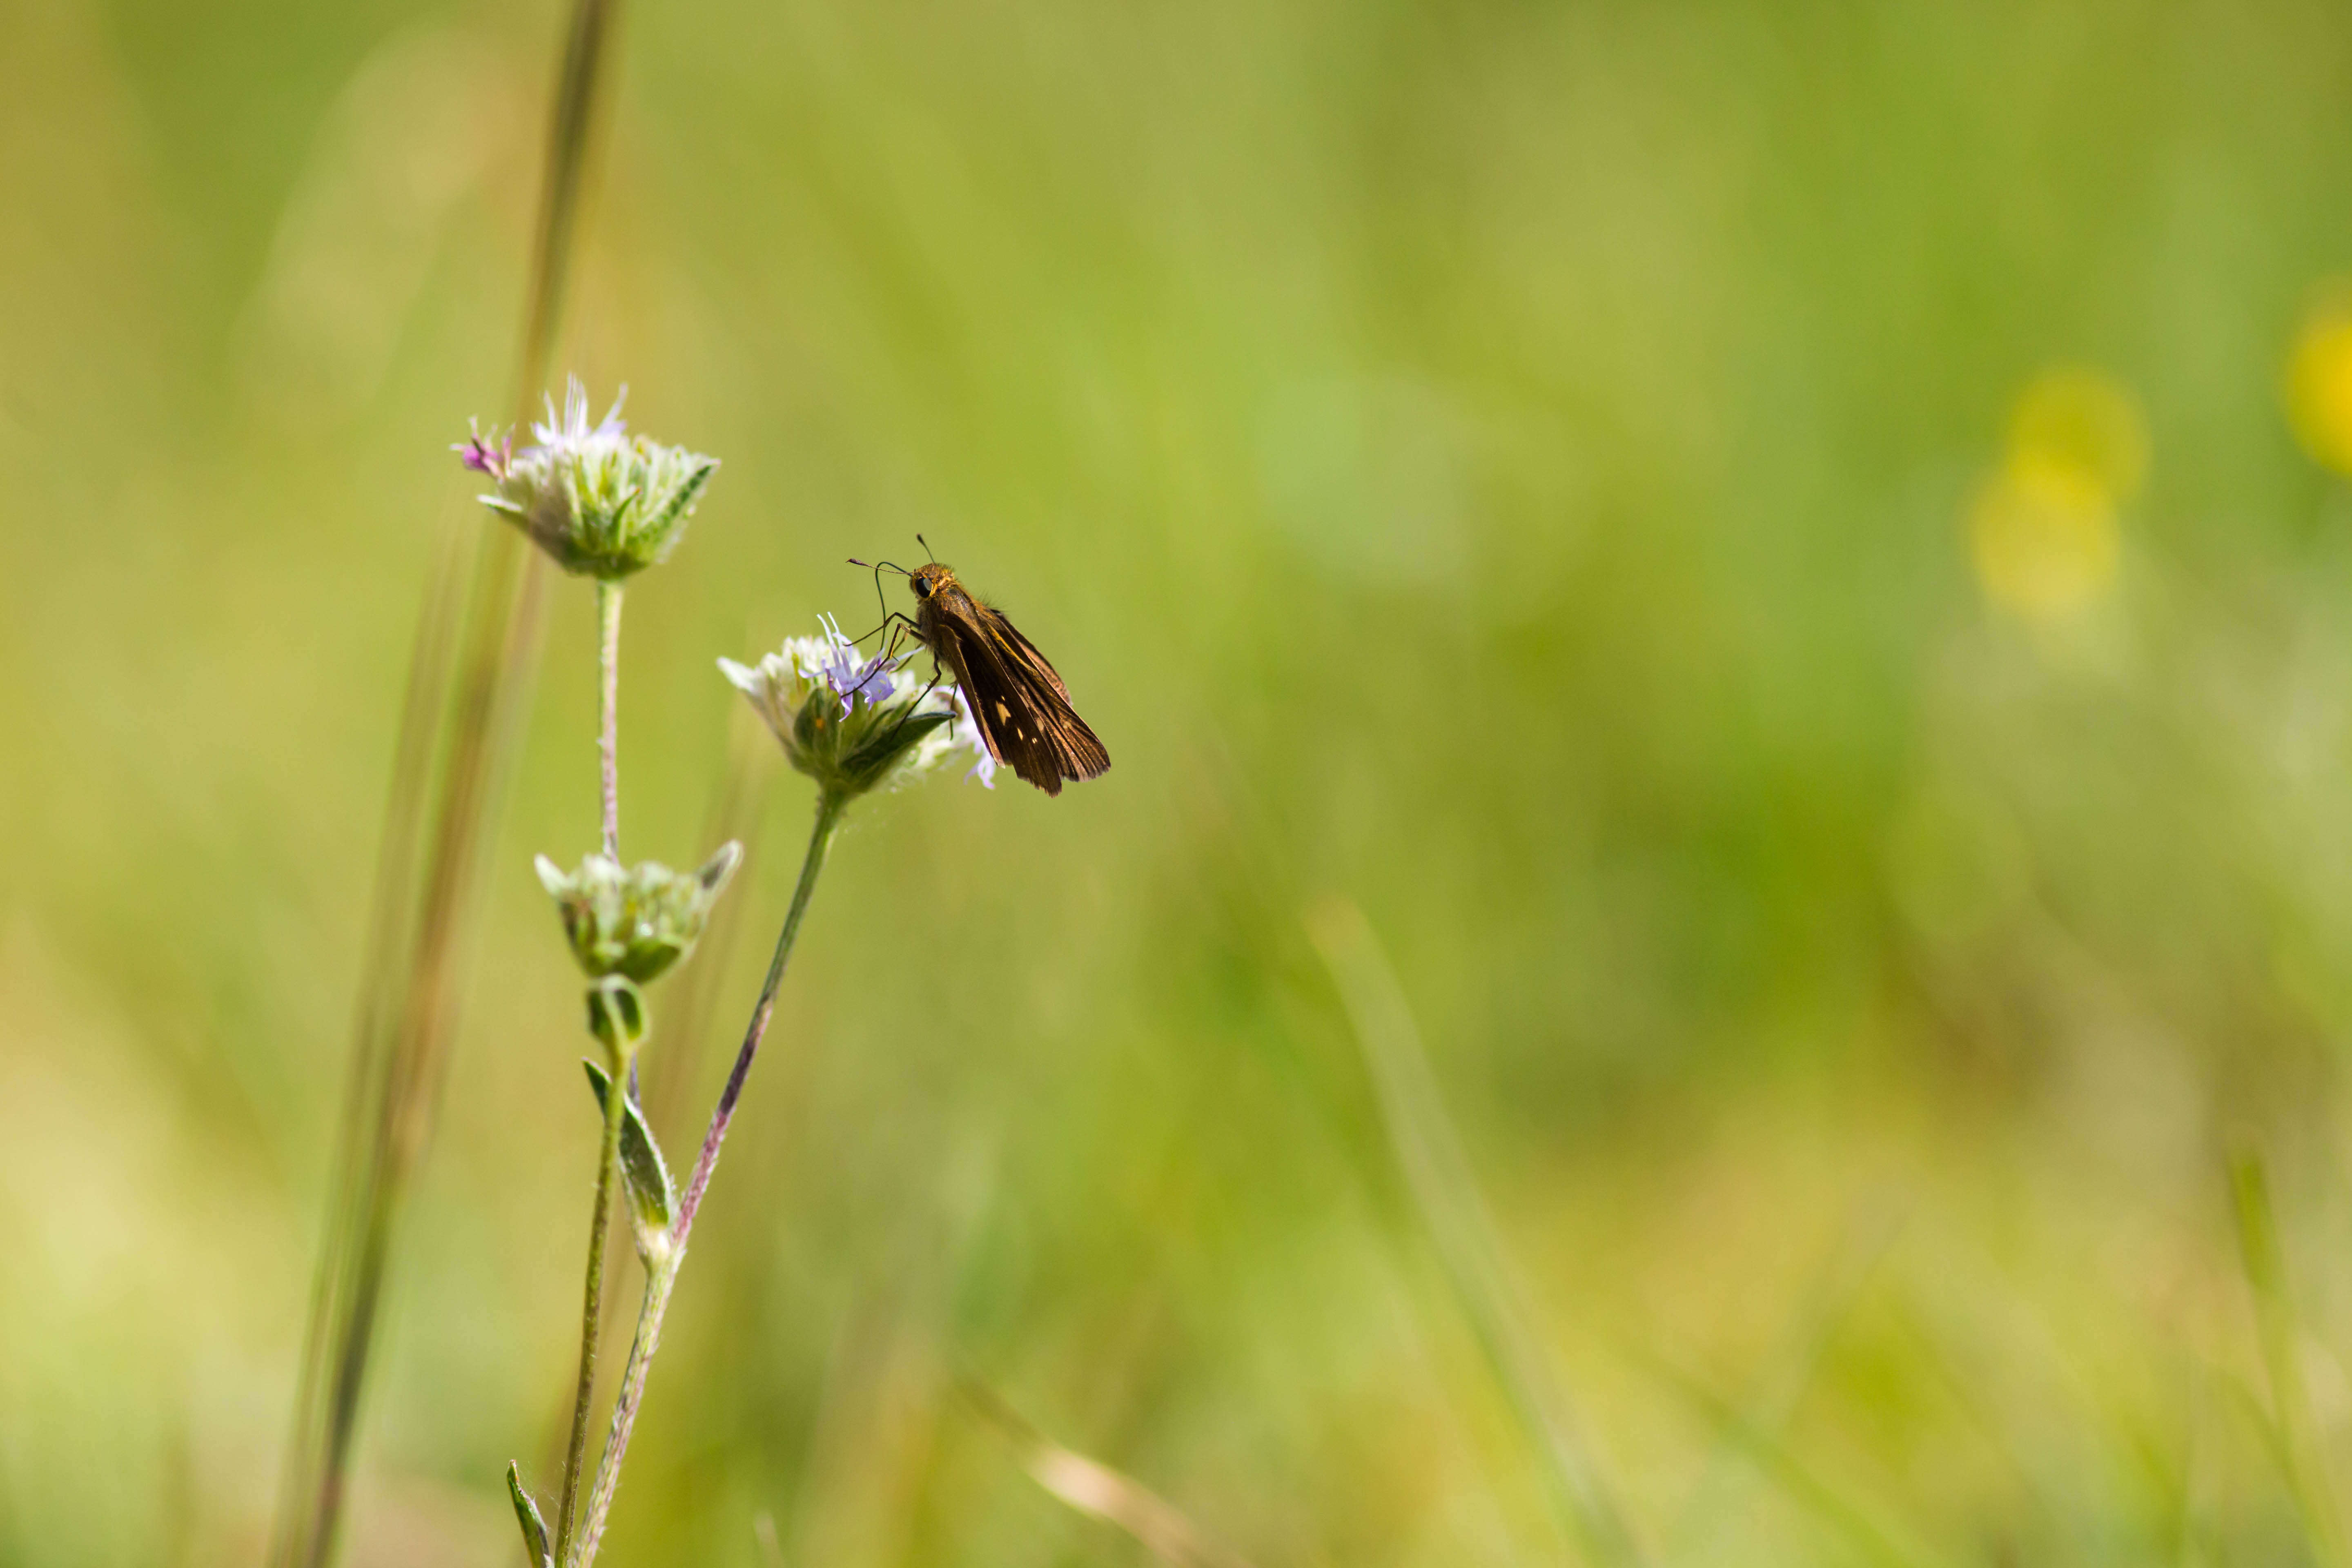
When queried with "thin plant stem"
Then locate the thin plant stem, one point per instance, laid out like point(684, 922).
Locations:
point(426, 903)
point(608, 736)
point(829, 809)
point(659, 1277)
point(662, 1273)
point(591, 1308)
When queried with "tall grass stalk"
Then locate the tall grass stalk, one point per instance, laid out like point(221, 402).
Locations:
point(1445, 1196)
point(427, 894)
point(2299, 1448)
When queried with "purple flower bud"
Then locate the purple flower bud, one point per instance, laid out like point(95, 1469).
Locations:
point(477, 452)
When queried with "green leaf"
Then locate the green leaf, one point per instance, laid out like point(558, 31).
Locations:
point(641, 1160)
point(534, 1529)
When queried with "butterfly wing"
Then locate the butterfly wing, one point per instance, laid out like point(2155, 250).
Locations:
point(1078, 752)
point(1019, 703)
point(954, 632)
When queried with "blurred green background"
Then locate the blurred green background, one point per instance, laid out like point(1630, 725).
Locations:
point(1765, 545)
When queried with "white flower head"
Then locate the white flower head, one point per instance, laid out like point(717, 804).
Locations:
point(601, 502)
point(853, 723)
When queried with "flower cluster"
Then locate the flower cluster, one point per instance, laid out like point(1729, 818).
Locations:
point(601, 502)
point(636, 921)
point(854, 724)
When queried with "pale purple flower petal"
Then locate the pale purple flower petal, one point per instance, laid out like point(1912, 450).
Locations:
point(849, 679)
point(571, 430)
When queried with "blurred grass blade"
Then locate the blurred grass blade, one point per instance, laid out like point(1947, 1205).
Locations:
point(355, 1148)
point(1772, 1396)
point(1100, 1492)
point(763, 1531)
point(2297, 1432)
point(1869, 1541)
point(427, 894)
point(1438, 1174)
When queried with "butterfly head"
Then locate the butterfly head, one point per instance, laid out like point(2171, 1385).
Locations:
point(929, 580)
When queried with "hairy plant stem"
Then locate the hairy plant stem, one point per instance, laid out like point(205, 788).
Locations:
point(608, 736)
point(661, 1273)
point(592, 1309)
point(661, 1270)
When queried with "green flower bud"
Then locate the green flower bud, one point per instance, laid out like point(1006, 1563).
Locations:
point(636, 921)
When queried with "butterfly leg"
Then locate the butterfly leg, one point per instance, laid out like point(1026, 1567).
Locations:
point(895, 621)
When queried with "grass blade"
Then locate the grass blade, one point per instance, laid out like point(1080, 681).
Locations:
point(1870, 1540)
point(427, 896)
point(2291, 1415)
point(1438, 1174)
point(1100, 1492)
point(1758, 1422)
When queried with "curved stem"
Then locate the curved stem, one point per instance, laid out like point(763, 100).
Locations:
point(591, 1311)
point(608, 734)
point(662, 1272)
point(829, 808)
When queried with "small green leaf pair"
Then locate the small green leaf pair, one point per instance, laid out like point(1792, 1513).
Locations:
point(534, 1529)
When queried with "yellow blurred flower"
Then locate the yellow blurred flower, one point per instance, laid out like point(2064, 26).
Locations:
point(2084, 419)
point(2045, 529)
point(2319, 380)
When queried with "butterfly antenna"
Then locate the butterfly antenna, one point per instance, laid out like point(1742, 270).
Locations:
point(926, 547)
point(877, 567)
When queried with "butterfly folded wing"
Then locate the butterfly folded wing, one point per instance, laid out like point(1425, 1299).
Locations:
point(1078, 752)
point(1019, 703)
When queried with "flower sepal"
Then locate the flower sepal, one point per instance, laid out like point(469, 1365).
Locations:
point(853, 758)
point(616, 1016)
